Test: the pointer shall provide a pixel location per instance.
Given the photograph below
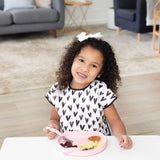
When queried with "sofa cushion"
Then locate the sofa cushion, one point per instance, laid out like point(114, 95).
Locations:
point(38, 15)
point(12, 4)
point(1, 4)
point(5, 18)
point(43, 3)
point(128, 14)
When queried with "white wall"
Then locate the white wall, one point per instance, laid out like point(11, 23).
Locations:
point(96, 14)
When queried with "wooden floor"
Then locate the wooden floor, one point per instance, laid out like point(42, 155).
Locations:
point(26, 113)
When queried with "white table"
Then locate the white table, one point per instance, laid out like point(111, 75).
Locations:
point(41, 148)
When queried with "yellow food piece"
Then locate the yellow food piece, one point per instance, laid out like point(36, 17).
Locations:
point(90, 145)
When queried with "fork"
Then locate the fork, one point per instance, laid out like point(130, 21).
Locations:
point(59, 133)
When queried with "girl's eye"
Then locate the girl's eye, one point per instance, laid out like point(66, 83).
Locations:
point(94, 66)
point(81, 60)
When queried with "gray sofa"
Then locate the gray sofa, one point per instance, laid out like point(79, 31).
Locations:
point(32, 20)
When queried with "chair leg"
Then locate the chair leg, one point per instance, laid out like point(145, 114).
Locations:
point(118, 30)
point(154, 40)
point(54, 33)
point(139, 37)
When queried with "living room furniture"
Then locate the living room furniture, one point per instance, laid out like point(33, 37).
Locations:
point(131, 15)
point(156, 30)
point(75, 19)
point(23, 20)
point(41, 148)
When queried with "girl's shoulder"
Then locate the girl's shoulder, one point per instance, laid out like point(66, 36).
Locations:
point(98, 84)
point(54, 86)
point(55, 89)
point(101, 89)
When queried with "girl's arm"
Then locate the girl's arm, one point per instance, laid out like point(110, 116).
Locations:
point(53, 123)
point(117, 127)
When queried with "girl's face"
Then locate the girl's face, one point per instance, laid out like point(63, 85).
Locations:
point(86, 67)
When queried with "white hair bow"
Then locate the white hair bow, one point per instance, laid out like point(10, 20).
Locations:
point(83, 36)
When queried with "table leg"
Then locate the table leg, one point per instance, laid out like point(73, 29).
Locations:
point(71, 16)
point(75, 20)
point(84, 12)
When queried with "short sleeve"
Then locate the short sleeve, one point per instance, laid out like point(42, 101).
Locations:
point(51, 94)
point(106, 96)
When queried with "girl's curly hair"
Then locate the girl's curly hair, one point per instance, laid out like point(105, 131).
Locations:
point(110, 71)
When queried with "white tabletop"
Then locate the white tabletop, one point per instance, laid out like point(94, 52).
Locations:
point(41, 148)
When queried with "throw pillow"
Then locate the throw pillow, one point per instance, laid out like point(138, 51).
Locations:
point(43, 3)
point(12, 4)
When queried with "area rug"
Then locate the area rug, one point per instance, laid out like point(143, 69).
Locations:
point(29, 61)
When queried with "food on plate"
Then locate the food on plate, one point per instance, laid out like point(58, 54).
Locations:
point(90, 145)
point(93, 142)
point(94, 138)
point(67, 145)
point(84, 143)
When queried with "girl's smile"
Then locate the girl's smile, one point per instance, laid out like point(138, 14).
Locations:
point(81, 75)
point(86, 66)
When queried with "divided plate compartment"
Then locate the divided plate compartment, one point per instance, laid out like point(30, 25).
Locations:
point(80, 138)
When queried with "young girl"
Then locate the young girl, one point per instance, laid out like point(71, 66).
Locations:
point(87, 81)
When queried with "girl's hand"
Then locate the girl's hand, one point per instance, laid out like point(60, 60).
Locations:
point(50, 134)
point(125, 141)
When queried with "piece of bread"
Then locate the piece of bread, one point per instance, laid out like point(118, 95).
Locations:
point(94, 138)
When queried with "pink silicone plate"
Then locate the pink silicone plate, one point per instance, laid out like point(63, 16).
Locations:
point(79, 138)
